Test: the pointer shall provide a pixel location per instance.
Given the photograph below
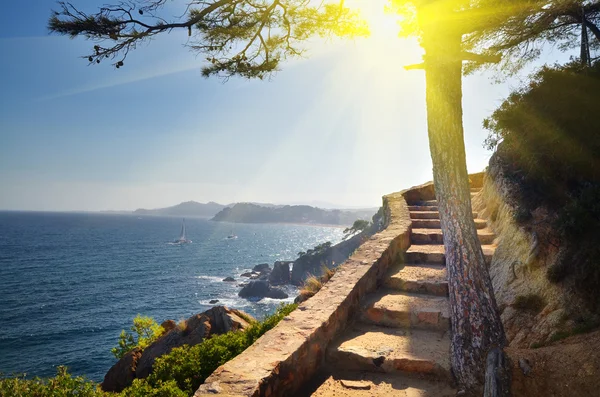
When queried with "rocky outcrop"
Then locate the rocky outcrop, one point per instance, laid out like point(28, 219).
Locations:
point(281, 273)
point(138, 364)
point(263, 267)
point(261, 289)
point(312, 264)
point(122, 374)
point(532, 308)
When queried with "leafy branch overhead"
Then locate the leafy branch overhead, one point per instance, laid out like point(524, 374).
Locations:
point(248, 38)
point(515, 30)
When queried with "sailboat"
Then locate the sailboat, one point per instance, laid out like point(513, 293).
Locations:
point(182, 239)
point(232, 235)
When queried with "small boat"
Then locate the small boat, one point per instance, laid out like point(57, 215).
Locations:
point(182, 239)
point(232, 235)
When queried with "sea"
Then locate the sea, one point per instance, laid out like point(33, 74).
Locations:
point(70, 282)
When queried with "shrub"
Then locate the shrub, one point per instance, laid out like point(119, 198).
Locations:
point(188, 367)
point(141, 388)
point(550, 152)
point(532, 303)
point(63, 384)
point(146, 331)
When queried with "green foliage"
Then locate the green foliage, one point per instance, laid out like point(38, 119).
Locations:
point(144, 331)
point(242, 38)
point(531, 302)
point(189, 366)
point(142, 388)
point(548, 146)
point(317, 250)
point(359, 225)
point(63, 385)
point(177, 374)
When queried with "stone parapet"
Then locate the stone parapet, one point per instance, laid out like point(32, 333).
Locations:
point(284, 358)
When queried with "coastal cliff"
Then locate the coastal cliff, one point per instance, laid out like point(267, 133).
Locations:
point(252, 213)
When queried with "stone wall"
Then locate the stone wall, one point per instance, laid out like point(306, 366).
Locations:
point(284, 358)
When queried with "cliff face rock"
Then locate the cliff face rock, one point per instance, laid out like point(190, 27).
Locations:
point(138, 364)
point(532, 308)
point(281, 273)
point(122, 374)
point(261, 289)
point(312, 264)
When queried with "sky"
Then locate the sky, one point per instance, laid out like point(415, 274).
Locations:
point(344, 126)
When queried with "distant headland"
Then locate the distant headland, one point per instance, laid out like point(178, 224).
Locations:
point(262, 213)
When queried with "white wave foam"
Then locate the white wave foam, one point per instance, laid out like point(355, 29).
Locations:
point(212, 279)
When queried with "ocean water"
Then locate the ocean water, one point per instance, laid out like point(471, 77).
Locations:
point(70, 282)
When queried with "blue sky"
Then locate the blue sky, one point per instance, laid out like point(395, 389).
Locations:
point(346, 125)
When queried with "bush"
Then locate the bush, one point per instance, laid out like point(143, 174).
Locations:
point(548, 146)
point(532, 303)
point(177, 374)
point(188, 367)
point(63, 385)
point(141, 388)
point(146, 331)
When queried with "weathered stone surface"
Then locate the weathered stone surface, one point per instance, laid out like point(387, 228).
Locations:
point(398, 309)
point(213, 301)
point(137, 364)
point(261, 268)
point(261, 289)
point(382, 384)
point(287, 356)
point(374, 348)
point(120, 375)
point(434, 253)
point(355, 384)
point(281, 273)
point(168, 325)
point(424, 278)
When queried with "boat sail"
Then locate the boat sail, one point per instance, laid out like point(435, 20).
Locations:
point(182, 239)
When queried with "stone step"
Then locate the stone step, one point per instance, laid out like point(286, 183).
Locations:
point(435, 223)
point(422, 208)
point(390, 308)
point(434, 236)
point(475, 189)
point(336, 383)
point(424, 279)
point(434, 253)
point(380, 349)
point(430, 215)
point(433, 202)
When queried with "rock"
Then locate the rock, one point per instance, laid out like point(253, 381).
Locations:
point(122, 374)
point(229, 279)
point(281, 273)
point(213, 301)
point(247, 274)
point(261, 289)
point(261, 268)
point(524, 365)
point(138, 364)
point(355, 384)
point(168, 325)
point(254, 276)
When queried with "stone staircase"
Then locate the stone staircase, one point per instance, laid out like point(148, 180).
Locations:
point(399, 343)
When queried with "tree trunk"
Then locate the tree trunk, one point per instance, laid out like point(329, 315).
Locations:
point(476, 325)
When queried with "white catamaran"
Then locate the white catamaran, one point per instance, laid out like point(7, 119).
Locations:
point(182, 239)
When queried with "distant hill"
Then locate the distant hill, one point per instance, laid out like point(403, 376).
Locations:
point(189, 208)
point(252, 213)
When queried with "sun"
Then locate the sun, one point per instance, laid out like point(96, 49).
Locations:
point(383, 25)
